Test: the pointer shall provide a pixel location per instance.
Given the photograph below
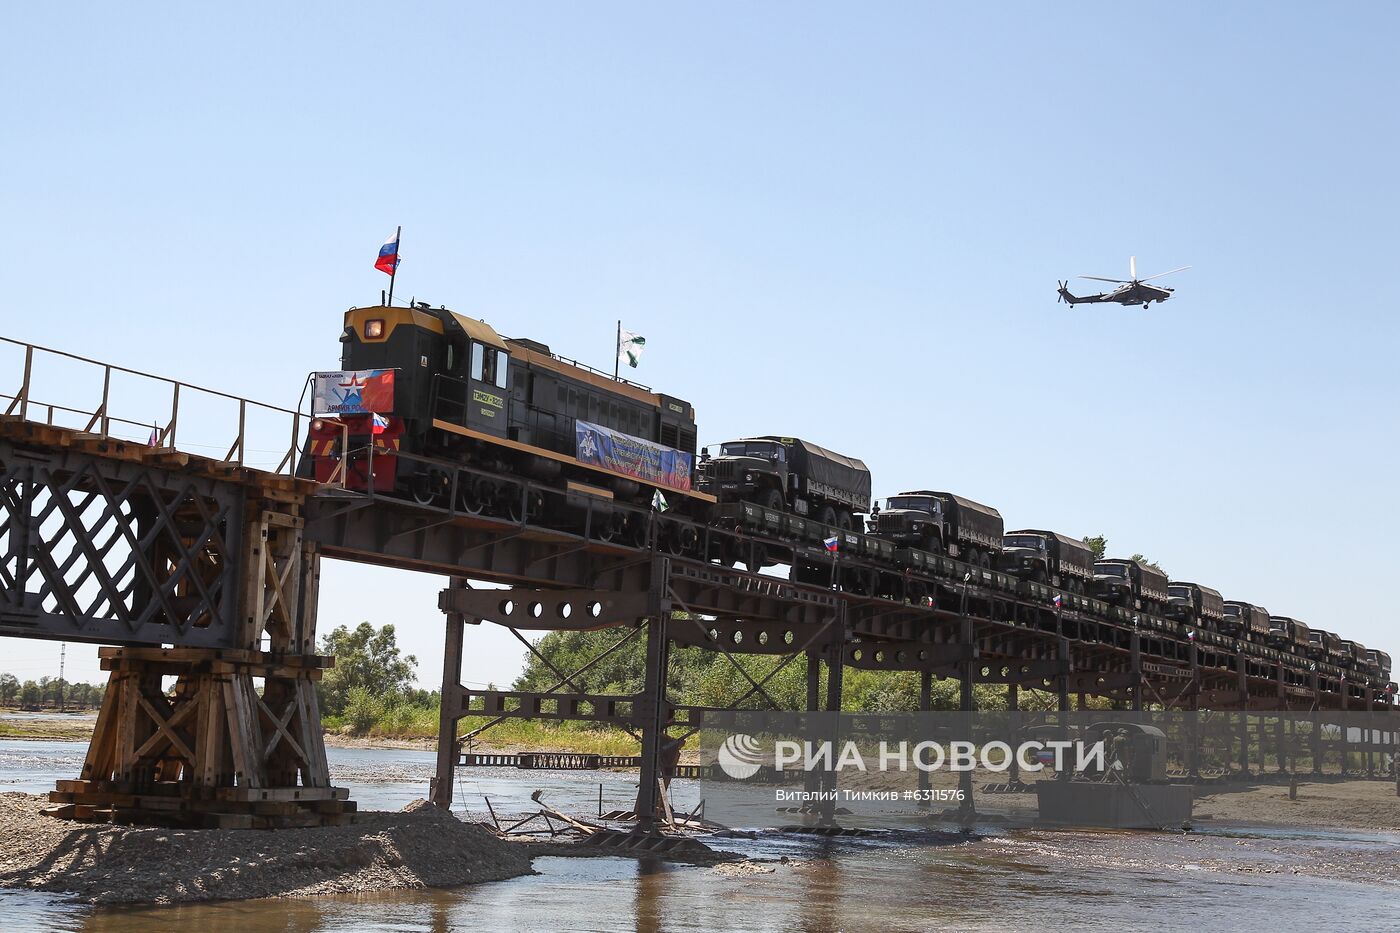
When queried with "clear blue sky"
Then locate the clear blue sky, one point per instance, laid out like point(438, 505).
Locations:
point(841, 222)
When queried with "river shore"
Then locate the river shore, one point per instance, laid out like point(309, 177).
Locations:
point(421, 846)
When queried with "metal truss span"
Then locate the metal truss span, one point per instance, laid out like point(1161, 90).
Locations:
point(102, 550)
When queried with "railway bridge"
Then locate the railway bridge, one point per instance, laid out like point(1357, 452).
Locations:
point(199, 573)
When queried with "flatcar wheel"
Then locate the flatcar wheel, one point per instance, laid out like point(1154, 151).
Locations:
point(469, 497)
point(512, 504)
point(634, 530)
point(424, 488)
point(671, 539)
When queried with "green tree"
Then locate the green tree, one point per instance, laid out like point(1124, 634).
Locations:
point(368, 659)
point(30, 695)
point(9, 688)
point(1099, 545)
point(1151, 563)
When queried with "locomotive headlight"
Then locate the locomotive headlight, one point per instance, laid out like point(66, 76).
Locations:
point(317, 425)
point(374, 329)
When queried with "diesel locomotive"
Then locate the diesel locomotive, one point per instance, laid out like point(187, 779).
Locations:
point(469, 419)
point(463, 396)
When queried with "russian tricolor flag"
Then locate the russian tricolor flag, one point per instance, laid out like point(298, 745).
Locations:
point(388, 260)
point(832, 544)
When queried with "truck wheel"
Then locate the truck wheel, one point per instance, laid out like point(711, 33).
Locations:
point(972, 557)
point(772, 499)
point(756, 559)
point(845, 521)
point(933, 546)
point(827, 516)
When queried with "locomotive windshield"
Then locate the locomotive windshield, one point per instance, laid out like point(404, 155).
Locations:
point(760, 449)
point(1034, 542)
point(489, 365)
point(918, 503)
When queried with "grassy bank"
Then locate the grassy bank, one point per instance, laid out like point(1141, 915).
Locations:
point(374, 718)
point(57, 728)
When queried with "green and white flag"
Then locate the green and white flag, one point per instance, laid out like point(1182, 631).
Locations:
point(630, 347)
point(658, 501)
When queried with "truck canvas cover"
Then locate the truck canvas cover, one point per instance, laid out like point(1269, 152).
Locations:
point(845, 476)
point(1154, 582)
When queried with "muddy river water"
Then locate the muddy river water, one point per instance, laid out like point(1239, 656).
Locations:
point(1224, 878)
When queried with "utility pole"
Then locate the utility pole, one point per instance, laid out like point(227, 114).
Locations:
point(62, 657)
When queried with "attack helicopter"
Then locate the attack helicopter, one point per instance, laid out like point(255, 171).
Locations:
point(1130, 291)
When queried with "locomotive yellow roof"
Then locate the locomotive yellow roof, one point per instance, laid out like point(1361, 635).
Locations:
point(477, 330)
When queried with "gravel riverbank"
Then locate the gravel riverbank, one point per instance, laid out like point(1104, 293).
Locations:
point(422, 846)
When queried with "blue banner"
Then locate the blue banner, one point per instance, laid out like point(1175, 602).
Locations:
point(623, 453)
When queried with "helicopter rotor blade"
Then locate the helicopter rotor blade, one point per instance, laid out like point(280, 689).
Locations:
point(1099, 278)
point(1160, 274)
point(1132, 268)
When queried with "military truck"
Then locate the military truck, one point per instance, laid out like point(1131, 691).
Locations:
point(791, 475)
point(942, 523)
point(1196, 605)
point(1381, 662)
point(1047, 557)
point(1128, 582)
point(1323, 646)
point(1286, 633)
point(1245, 620)
point(1352, 654)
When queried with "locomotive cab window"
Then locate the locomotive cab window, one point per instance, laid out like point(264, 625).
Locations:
point(489, 365)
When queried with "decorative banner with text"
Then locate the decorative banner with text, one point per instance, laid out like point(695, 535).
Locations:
point(623, 453)
point(353, 392)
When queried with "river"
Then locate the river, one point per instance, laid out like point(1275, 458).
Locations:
point(1104, 881)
